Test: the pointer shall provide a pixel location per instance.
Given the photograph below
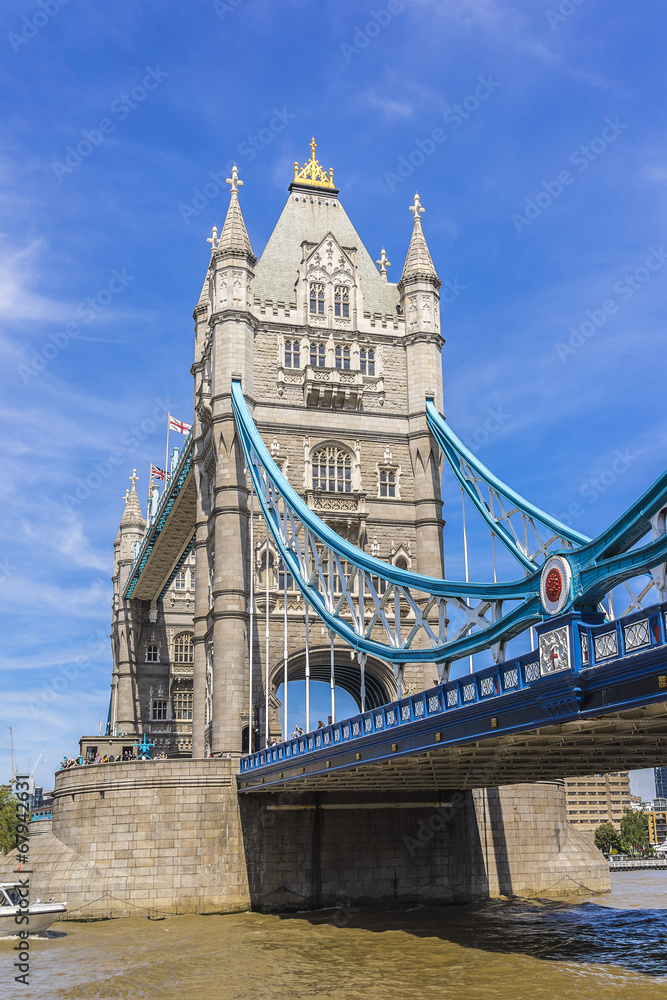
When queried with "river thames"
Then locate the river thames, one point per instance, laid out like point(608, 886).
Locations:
point(607, 947)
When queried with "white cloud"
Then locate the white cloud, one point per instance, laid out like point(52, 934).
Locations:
point(20, 274)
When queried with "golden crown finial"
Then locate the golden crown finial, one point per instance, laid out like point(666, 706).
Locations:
point(312, 173)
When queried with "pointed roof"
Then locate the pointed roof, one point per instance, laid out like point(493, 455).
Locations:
point(234, 235)
point(418, 263)
point(310, 215)
point(132, 516)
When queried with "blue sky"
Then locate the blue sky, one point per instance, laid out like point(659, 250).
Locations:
point(545, 189)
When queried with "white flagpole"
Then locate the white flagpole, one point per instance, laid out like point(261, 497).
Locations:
point(166, 456)
point(150, 492)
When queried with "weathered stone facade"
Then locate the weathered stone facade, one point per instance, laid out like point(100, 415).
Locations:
point(152, 836)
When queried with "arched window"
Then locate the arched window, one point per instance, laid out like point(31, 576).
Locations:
point(183, 648)
point(342, 357)
point(152, 653)
point(316, 298)
point(183, 706)
point(367, 360)
point(342, 301)
point(387, 483)
point(285, 578)
point(332, 470)
point(292, 354)
point(262, 569)
point(318, 354)
point(401, 563)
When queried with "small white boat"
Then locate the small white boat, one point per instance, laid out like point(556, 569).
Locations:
point(40, 915)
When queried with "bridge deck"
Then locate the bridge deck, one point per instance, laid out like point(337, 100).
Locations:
point(507, 724)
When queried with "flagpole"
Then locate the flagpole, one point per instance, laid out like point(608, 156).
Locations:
point(166, 456)
point(150, 492)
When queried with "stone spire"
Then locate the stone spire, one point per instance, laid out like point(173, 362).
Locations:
point(132, 516)
point(234, 235)
point(418, 263)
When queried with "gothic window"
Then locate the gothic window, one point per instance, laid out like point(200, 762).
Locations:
point(401, 563)
point(292, 354)
point(318, 354)
point(285, 578)
point(316, 299)
point(380, 585)
point(343, 357)
point(367, 360)
point(336, 578)
point(183, 649)
point(180, 581)
point(387, 483)
point(262, 570)
point(152, 654)
point(159, 711)
point(332, 470)
point(342, 301)
point(183, 706)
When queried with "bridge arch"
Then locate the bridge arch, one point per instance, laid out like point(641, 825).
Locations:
point(379, 676)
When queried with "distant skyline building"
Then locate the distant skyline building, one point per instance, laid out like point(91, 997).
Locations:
point(593, 799)
point(660, 774)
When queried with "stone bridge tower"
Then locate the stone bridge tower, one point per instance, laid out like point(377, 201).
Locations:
point(335, 362)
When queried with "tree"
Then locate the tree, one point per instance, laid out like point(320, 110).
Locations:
point(8, 821)
point(607, 838)
point(634, 830)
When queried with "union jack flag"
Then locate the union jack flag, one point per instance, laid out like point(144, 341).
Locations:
point(178, 425)
point(157, 473)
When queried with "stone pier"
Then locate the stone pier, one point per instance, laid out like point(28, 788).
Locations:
point(171, 836)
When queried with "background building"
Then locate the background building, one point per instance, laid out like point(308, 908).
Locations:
point(660, 774)
point(597, 798)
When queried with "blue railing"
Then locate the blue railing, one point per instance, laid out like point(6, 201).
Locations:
point(593, 646)
point(41, 814)
point(511, 676)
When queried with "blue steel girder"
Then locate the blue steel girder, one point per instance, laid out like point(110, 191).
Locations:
point(156, 526)
point(525, 695)
point(469, 471)
point(595, 572)
point(314, 555)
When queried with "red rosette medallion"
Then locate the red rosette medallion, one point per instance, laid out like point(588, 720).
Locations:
point(553, 586)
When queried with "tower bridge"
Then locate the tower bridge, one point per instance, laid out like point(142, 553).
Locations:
point(299, 535)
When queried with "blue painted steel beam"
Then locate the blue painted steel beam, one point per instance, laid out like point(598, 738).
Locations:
point(591, 579)
point(453, 448)
point(513, 697)
point(256, 453)
point(166, 502)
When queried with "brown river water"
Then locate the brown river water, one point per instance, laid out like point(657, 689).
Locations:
point(610, 947)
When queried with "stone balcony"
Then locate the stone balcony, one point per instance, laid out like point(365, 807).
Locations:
point(345, 513)
point(331, 388)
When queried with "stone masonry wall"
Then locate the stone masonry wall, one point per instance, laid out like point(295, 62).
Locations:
point(310, 851)
point(141, 836)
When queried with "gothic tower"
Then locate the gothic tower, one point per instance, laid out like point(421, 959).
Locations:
point(335, 363)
